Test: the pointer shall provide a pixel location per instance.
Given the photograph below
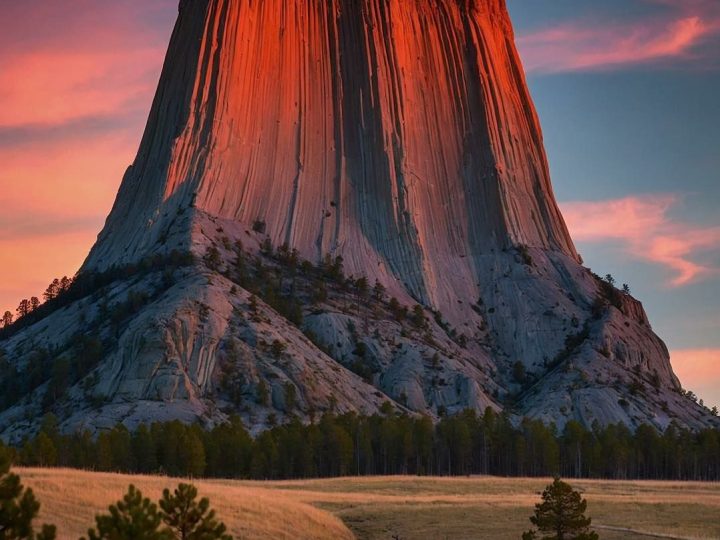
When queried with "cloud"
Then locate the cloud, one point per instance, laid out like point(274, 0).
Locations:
point(66, 62)
point(76, 84)
point(645, 230)
point(699, 371)
point(673, 33)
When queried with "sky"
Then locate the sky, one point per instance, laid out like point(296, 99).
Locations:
point(626, 91)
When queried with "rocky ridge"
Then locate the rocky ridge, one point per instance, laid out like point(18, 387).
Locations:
point(304, 152)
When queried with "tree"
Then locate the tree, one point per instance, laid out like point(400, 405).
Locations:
point(378, 291)
point(52, 290)
point(189, 518)
point(132, 518)
point(144, 450)
point(34, 303)
point(561, 515)
point(362, 287)
point(290, 397)
point(263, 395)
point(519, 372)
point(277, 348)
point(65, 283)
point(7, 319)
point(24, 308)
point(418, 316)
point(213, 260)
point(610, 279)
point(626, 288)
point(18, 506)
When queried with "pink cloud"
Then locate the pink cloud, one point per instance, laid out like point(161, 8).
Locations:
point(699, 371)
point(645, 230)
point(76, 83)
point(597, 45)
point(72, 85)
point(61, 62)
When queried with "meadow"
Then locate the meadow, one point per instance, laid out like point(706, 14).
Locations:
point(407, 508)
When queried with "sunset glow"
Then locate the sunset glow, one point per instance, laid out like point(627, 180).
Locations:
point(76, 85)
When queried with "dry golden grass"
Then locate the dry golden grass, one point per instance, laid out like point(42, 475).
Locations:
point(71, 499)
point(409, 507)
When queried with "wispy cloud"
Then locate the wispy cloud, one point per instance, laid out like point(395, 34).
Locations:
point(698, 371)
point(645, 230)
point(62, 62)
point(673, 33)
point(76, 83)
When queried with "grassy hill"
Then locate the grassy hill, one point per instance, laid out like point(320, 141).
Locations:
point(380, 507)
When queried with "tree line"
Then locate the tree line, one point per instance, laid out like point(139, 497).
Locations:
point(385, 444)
point(64, 291)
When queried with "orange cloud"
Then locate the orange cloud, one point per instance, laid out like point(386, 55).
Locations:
point(75, 87)
point(71, 85)
point(699, 371)
point(54, 207)
point(646, 231)
point(591, 46)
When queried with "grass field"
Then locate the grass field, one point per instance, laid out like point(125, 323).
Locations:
point(408, 508)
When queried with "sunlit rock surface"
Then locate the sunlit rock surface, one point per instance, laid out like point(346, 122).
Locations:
point(399, 135)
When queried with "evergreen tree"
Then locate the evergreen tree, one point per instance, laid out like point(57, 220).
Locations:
point(64, 285)
point(18, 506)
point(23, 308)
point(418, 317)
point(144, 450)
point(213, 260)
point(7, 319)
point(132, 518)
point(378, 291)
point(52, 290)
point(189, 518)
point(561, 515)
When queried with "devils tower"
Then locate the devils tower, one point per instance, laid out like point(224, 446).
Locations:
point(363, 188)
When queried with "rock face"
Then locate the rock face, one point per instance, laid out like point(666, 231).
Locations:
point(398, 135)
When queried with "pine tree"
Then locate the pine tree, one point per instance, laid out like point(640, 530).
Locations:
point(378, 291)
point(23, 308)
point(65, 283)
point(144, 450)
point(213, 260)
point(189, 518)
point(52, 290)
point(7, 319)
point(561, 515)
point(18, 506)
point(132, 518)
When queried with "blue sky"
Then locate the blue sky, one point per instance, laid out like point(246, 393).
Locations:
point(627, 93)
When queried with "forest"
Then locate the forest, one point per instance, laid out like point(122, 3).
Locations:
point(384, 444)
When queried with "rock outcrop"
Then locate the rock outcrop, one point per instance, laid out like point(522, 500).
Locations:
point(398, 136)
